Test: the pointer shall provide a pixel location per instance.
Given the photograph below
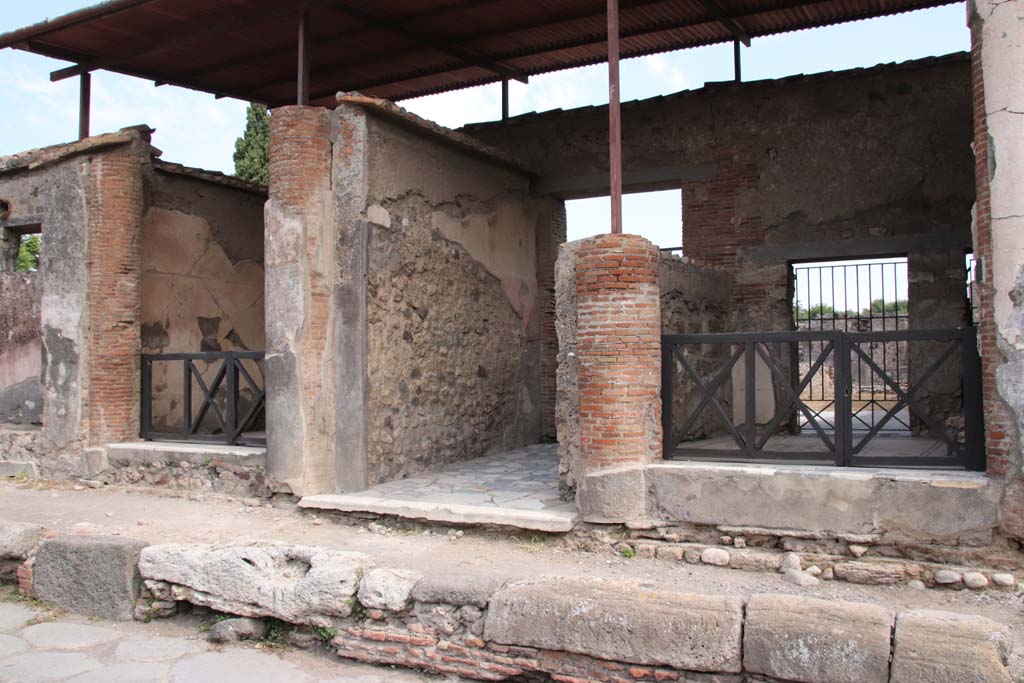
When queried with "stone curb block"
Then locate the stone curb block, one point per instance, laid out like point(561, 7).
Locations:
point(943, 647)
point(19, 539)
point(458, 589)
point(92, 575)
point(590, 616)
point(817, 641)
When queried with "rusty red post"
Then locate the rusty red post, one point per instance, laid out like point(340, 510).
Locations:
point(614, 117)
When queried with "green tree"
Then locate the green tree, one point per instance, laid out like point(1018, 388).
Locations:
point(900, 307)
point(252, 155)
point(28, 254)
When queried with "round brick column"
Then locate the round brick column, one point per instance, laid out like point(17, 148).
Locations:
point(619, 346)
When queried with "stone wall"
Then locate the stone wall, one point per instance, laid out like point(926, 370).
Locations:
point(762, 181)
point(453, 319)
point(21, 395)
point(695, 300)
point(202, 280)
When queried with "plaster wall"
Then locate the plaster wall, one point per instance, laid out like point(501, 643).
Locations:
point(202, 281)
point(453, 326)
point(21, 399)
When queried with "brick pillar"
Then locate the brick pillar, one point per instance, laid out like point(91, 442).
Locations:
point(115, 203)
point(997, 57)
point(299, 278)
point(619, 345)
point(315, 242)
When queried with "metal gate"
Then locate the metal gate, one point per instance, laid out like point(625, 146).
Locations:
point(711, 399)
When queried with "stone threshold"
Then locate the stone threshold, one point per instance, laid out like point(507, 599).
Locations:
point(552, 520)
point(149, 452)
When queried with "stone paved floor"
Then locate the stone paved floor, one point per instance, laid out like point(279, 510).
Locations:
point(517, 488)
point(524, 479)
point(79, 650)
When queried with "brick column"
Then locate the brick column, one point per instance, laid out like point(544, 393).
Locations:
point(115, 202)
point(619, 342)
point(997, 56)
point(299, 276)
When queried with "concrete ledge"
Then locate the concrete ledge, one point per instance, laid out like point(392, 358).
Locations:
point(911, 504)
point(93, 575)
point(592, 617)
point(149, 452)
point(551, 521)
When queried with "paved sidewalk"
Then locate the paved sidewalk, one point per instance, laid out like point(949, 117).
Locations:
point(517, 488)
point(35, 647)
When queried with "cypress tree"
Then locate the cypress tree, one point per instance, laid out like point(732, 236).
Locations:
point(252, 149)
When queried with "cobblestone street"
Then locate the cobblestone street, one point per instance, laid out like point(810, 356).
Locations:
point(37, 645)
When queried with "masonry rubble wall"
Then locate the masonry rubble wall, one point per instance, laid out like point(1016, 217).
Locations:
point(761, 182)
point(498, 626)
point(202, 282)
point(997, 32)
point(453, 303)
point(404, 306)
point(21, 393)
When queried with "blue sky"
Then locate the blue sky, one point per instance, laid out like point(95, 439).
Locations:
point(197, 130)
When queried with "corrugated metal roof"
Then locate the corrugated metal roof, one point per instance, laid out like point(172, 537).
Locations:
point(400, 48)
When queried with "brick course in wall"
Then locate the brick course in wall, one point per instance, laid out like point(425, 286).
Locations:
point(115, 205)
point(619, 335)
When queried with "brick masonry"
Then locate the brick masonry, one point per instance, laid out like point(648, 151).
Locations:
point(619, 337)
point(115, 205)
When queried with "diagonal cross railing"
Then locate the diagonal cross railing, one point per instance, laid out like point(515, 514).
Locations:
point(218, 418)
point(719, 400)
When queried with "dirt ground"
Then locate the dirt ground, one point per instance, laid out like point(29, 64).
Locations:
point(161, 518)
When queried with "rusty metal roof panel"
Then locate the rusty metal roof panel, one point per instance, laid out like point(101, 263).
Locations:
point(400, 48)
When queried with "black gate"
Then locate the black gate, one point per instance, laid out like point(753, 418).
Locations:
point(231, 398)
point(712, 407)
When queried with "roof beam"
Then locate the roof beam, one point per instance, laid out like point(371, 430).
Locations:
point(378, 20)
point(67, 21)
point(583, 41)
point(724, 19)
point(227, 20)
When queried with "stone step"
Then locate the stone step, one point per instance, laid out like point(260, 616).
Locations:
point(560, 519)
point(148, 452)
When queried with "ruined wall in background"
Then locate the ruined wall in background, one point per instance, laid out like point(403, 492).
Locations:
point(202, 280)
point(851, 164)
point(695, 300)
point(453, 324)
point(21, 394)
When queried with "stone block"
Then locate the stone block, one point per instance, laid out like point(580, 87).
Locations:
point(298, 584)
point(94, 462)
point(387, 588)
point(944, 647)
point(592, 617)
point(92, 575)
point(18, 469)
point(816, 641)
point(613, 495)
point(458, 589)
point(18, 539)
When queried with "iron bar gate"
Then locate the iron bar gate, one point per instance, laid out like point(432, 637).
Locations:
point(712, 406)
point(228, 409)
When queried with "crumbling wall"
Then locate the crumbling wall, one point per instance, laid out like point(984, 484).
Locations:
point(453, 334)
point(997, 32)
point(852, 164)
point(21, 394)
point(695, 300)
point(202, 279)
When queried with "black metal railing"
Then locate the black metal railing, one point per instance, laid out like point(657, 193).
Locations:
point(224, 401)
point(712, 407)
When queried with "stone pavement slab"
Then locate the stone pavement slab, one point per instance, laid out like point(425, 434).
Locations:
point(73, 649)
